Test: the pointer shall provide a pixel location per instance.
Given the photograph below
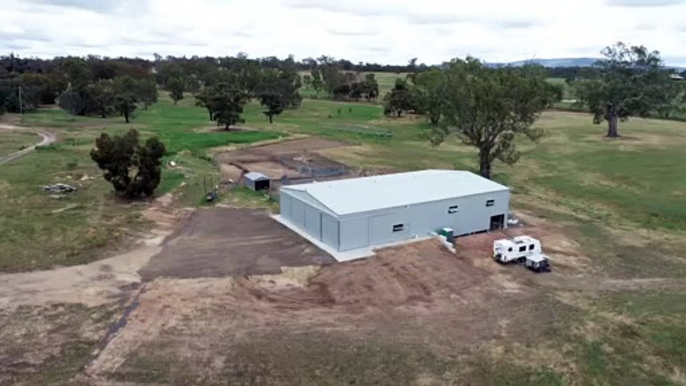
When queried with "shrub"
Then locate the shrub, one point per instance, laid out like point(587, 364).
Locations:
point(134, 169)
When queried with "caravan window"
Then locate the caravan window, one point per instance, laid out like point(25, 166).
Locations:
point(522, 248)
point(531, 247)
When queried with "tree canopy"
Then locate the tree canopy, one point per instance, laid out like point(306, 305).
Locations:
point(629, 81)
point(430, 94)
point(225, 102)
point(488, 108)
point(176, 88)
point(400, 99)
point(125, 96)
point(133, 169)
point(274, 103)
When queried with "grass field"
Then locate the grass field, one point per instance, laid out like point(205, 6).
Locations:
point(13, 141)
point(623, 201)
point(38, 231)
point(636, 180)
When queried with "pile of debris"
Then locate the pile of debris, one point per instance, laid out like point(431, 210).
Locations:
point(59, 188)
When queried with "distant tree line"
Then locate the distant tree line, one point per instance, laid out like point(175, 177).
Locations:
point(340, 84)
point(95, 86)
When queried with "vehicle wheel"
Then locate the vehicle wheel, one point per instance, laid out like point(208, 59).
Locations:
point(521, 260)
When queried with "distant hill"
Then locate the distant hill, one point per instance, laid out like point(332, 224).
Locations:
point(563, 62)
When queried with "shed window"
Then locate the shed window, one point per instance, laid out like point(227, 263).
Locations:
point(398, 227)
point(531, 247)
point(522, 248)
point(490, 203)
point(452, 209)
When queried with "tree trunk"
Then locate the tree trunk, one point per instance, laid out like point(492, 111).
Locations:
point(434, 120)
point(227, 127)
point(399, 112)
point(126, 117)
point(612, 124)
point(210, 112)
point(484, 164)
point(271, 120)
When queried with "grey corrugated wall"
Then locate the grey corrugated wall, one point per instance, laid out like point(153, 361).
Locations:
point(376, 227)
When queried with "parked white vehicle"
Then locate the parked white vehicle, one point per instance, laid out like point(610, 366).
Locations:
point(522, 249)
point(538, 263)
point(515, 249)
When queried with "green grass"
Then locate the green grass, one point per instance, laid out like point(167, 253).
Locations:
point(38, 231)
point(637, 178)
point(591, 186)
point(13, 141)
point(636, 181)
point(175, 126)
point(641, 339)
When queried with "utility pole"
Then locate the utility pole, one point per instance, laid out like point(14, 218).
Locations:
point(21, 103)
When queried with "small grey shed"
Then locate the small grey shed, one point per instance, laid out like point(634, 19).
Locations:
point(257, 181)
point(365, 212)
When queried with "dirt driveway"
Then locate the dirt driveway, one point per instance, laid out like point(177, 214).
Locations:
point(221, 242)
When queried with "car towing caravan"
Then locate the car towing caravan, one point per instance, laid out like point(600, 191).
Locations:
point(521, 250)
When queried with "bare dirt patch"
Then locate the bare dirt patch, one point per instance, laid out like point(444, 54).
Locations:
point(41, 345)
point(294, 158)
point(230, 173)
point(417, 295)
point(231, 242)
point(564, 252)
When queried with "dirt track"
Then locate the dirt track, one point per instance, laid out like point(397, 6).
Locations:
point(99, 282)
point(46, 139)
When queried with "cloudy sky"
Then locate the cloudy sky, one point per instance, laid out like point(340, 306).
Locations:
point(386, 31)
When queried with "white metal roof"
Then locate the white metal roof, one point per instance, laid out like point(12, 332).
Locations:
point(515, 242)
point(364, 194)
point(255, 176)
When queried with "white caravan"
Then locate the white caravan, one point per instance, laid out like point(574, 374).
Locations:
point(521, 249)
point(516, 249)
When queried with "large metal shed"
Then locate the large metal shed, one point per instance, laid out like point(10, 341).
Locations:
point(370, 211)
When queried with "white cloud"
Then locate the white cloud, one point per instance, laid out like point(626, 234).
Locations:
point(644, 3)
point(387, 31)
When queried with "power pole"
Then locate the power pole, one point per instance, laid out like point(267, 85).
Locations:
point(21, 104)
